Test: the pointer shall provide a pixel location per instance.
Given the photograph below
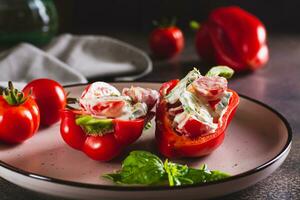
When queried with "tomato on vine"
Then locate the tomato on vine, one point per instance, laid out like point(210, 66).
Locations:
point(19, 116)
point(50, 98)
point(166, 40)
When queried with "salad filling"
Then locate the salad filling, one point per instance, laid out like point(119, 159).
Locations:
point(102, 100)
point(200, 100)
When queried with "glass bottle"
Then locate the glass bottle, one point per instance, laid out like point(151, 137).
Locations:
point(33, 21)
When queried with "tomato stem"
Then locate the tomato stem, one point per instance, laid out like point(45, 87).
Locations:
point(165, 22)
point(71, 100)
point(71, 108)
point(10, 85)
point(12, 96)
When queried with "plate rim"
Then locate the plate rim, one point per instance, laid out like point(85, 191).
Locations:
point(164, 188)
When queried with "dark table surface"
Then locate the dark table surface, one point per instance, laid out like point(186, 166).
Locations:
point(277, 84)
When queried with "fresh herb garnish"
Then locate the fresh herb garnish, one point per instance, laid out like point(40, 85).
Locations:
point(175, 93)
point(148, 126)
point(142, 167)
point(94, 126)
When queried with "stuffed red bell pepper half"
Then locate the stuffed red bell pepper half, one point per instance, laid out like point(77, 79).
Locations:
point(194, 112)
point(107, 121)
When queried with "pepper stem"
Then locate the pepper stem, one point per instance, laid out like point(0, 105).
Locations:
point(71, 100)
point(194, 25)
point(165, 22)
point(12, 96)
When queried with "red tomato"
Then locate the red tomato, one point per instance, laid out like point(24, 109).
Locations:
point(166, 42)
point(102, 148)
point(50, 98)
point(18, 122)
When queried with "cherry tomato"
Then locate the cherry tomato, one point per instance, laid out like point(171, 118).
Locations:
point(50, 98)
point(166, 42)
point(18, 121)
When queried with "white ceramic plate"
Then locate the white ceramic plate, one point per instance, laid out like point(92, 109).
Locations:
point(256, 143)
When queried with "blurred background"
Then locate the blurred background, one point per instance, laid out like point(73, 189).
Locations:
point(39, 21)
point(101, 17)
point(136, 15)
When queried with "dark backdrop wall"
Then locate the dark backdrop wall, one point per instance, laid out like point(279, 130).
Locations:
point(92, 16)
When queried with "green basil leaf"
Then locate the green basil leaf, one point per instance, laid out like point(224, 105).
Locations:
point(140, 167)
point(176, 173)
point(204, 175)
point(114, 177)
point(148, 126)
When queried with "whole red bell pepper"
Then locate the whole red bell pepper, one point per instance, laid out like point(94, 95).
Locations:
point(234, 37)
point(174, 145)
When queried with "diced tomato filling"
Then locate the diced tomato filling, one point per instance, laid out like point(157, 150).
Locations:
point(104, 100)
point(194, 128)
point(209, 91)
point(99, 89)
point(175, 111)
point(214, 103)
point(142, 95)
point(108, 108)
point(210, 88)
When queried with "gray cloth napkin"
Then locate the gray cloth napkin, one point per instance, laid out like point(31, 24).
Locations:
point(71, 59)
point(100, 56)
point(25, 62)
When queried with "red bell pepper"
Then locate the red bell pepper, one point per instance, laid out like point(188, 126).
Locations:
point(172, 144)
point(106, 121)
point(100, 147)
point(234, 37)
